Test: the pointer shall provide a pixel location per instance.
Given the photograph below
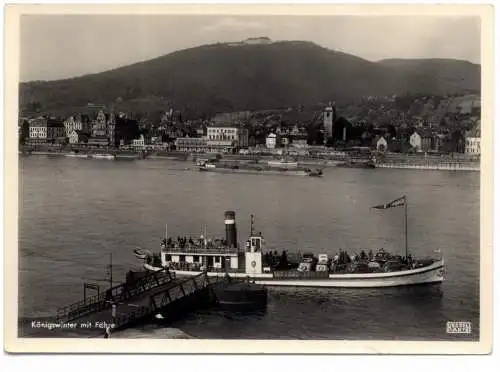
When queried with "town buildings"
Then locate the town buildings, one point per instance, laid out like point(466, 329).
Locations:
point(46, 130)
point(416, 142)
point(381, 144)
point(473, 140)
point(99, 125)
point(141, 143)
point(227, 133)
point(188, 144)
point(38, 129)
point(77, 136)
point(271, 141)
point(401, 124)
point(77, 123)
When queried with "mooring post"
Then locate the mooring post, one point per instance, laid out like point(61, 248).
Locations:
point(182, 289)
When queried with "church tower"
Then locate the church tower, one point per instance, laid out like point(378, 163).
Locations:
point(328, 120)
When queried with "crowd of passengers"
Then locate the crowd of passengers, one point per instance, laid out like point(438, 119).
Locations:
point(341, 261)
point(342, 257)
point(182, 242)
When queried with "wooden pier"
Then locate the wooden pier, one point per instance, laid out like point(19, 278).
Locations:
point(128, 304)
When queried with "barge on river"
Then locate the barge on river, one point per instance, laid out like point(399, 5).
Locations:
point(273, 167)
point(189, 257)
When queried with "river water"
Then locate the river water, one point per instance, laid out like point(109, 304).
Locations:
point(75, 212)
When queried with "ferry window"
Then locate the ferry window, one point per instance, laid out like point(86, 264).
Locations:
point(196, 258)
point(217, 259)
point(257, 244)
point(182, 258)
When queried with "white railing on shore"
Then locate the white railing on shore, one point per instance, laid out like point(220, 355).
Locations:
point(431, 166)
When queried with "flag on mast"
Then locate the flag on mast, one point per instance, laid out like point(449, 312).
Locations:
point(393, 204)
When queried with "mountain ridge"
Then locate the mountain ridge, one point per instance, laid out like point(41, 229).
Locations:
point(221, 77)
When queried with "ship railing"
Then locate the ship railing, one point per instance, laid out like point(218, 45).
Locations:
point(200, 250)
point(187, 266)
point(119, 292)
point(293, 274)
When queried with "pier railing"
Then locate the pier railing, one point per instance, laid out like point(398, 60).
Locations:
point(120, 292)
point(182, 289)
point(162, 300)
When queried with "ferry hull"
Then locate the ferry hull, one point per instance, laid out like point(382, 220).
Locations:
point(427, 275)
point(291, 172)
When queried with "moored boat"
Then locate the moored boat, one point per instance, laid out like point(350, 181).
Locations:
point(206, 165)
point(76, 155)
point(103, 156)
point(369, 164)
point(216, 257)
point(283, 163)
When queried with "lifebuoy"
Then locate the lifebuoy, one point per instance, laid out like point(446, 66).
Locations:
point(254, 263)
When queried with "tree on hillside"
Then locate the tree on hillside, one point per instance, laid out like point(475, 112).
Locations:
point(391, 131)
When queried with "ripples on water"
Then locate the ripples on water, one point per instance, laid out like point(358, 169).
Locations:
point(74, 212)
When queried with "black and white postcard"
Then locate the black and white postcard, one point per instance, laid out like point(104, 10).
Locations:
point(249, 178)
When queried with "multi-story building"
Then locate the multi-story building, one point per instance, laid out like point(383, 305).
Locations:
point(240, 135)
point(77, 123)
point(99, 125)
point(141, 143)
point(43, 130)
point(381, 144)
point(55, 130)
point(38, 130)
point(473, 140)
point(416, 141)
point(77, 137)
point(111, 128)
point(438, 140)
point(473, 145)
point(222, 146)
point(188, 144)
point(271, 141)
point(427, 140)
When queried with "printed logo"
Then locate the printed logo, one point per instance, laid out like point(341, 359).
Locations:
point(458, 327)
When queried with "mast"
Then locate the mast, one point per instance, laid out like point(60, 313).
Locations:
point(406, 227)
point(111, 270)
point(251, 225)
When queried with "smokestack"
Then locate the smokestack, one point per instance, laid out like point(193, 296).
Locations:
point(230, 222)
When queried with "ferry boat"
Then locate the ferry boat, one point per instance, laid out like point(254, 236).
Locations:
point(103, 156)
point(369, 164)
point(208, 165)
point(189, 257)
point(76, 155)
point(283, 163)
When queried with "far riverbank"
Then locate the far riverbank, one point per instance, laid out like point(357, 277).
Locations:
point(454, 162)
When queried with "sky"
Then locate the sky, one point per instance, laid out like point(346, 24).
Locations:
point(61, 46)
